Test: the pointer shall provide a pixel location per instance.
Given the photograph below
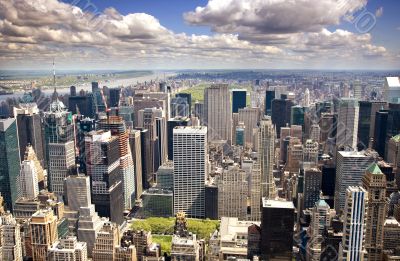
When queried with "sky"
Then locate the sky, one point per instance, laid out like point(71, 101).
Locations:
point(205, 34)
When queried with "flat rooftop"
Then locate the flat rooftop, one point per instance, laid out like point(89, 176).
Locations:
point(270, 203)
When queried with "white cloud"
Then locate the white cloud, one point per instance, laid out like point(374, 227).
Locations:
point(32, 32)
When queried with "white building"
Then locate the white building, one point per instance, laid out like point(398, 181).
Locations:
point(190, 169)
point(391, 91)
point(29, 187)
point(347, 123)
point(218, 116)
point(350, 168)
point(10, 231)
point(68, 249)
point(78, 191)
point(352, 247)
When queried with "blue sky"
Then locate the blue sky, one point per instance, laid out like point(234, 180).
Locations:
point(173, 34)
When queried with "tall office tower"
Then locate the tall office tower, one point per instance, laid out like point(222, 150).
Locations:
point(127, 113)
point(350, 167)
point(10, 236)
point(211, 200)
point(190, 170)
point(162, 141)
point(296, 131)
point(311, 186)
point(107, 239)
point(134, 143)
point(116, 125)
point(393, 123)
point(217, 111)
point(266, 150)
point(9, 162)
point(43, 227)
point(179, 107)
point(283, 143)
point(82, 105)
point(320, 219)
point(115, 94)
point(297, 115)
point(72, 91)
point(327, 125)
point(95, 86)
point(295, 155)
point(28, 180)
point(89, 224)
point(355, 210)
point(306, 101)
point(255, 188)
point(147, 176)
point(374, 182)
point(103, 166)
point(315, 132)
point(393, 155)
point(380, 131)
point(391, 90)
point(188, 98)
point(240, 134)
point(141, 102)
point(232, 193)
point(199, 112)
point(357, 90)
point(29, 129)
point(250, 117)
point(61, 165)
point(277, 224)
point(171, 124)
point(239, 97)
point(78, 191)
point(310, 151)
point(99, 102)
point(281, 113)
point(366, 121)
point(83, 126)
point(269, 96)
point(347, 123)
point(68, 248)
point(391, 234)
point(60, 145)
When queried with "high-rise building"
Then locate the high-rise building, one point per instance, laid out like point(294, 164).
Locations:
point(315, 132)
point(238, 99)
point(117, 127)
point(89, 224)
point(68, 248)
point(171, 124)
point(320, 219)
point(266, 151)
point(10, 236)
point(188, 98)
point(297, 115)
point(393, 155)
point(217, 110)
point(240, 134)
point(391, 90)
point(72, 91)
point(350, 168)
point(43, 228)
point(281, 113)
point(393, 124)
point(115, 94)
point(136, 152)
point(199, 112)
point(30, 155)
point(255, 189)
point(29, 129)
point(347, 124)
point(78, 191)
point(250, 117)
point(277, 224)
point(391, 234)
point(232, 193)
point(269, 96)
point(374, 182)
point(179, 107)
point(310, 151)
point(103, 166)
point(357, 90)
point(306, 101)
point(107, 239)
point(190, 170)
point(366, 121)
point(82, 105)
point(311, 186)
point(29, 186)
point(355, 210)
point(9, 162)
point(381, 118)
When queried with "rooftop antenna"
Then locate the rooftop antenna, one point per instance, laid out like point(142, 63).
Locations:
point(54, 74)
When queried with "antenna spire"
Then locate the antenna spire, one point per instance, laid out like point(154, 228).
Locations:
point(54, 74)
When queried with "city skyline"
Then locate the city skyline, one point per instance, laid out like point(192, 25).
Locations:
point(235, 34)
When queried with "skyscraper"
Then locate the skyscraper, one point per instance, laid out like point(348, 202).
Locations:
point(266, 151)
point(136, 151)
point(10, 234)
point(188, 98)
point(107, 239)
point(281, 113)
point(238, 99)
point(43, 228)
point(297, 115)
point(355, 210)
point(277, 224)
point(350, 168)
point(391, 91)
point(29, 129)
point(311, 186)
point(218, 116)
point(9, 162)
point(103, 166)
point(29, 186)
point(347, 124)
point(68, 249)
point(190, 169)
point(171, 124)
point(179, 107)
point(306, 102)
point(250, 117)
point(115, 94)
point(380, 131)
point(269, 96)
point(374, 182)
point(78, 191)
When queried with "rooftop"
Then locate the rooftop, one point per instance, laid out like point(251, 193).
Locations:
point(190, 129)
point(374, 169)
point(268, 203)
point(393, 81)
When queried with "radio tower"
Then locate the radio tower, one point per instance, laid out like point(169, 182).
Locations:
point(54, 74)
